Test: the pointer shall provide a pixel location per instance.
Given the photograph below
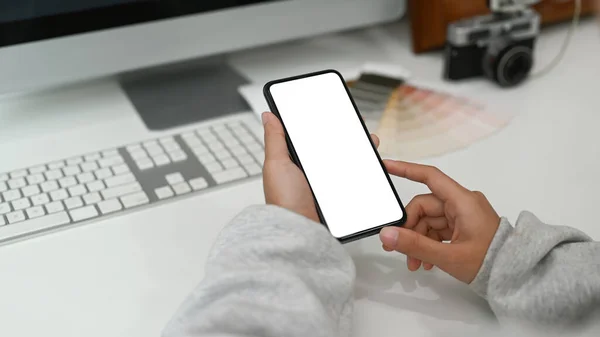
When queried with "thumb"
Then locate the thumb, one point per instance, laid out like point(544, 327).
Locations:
point(275, 144)
point(413, 244)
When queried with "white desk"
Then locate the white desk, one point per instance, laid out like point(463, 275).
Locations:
point(125, 276)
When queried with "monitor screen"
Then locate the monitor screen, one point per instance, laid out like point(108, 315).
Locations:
point(24, 21)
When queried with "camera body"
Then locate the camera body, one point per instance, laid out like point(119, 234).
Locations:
point(509, 6)
point(498, 46)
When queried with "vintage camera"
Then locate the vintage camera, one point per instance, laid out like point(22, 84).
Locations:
point(498, 46)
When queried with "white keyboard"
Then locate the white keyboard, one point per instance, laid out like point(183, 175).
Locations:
point(77, 189)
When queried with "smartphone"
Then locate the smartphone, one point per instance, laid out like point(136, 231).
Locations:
point(328, 140)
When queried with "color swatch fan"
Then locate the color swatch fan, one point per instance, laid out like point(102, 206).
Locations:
point(419, 123)
point(414, 122)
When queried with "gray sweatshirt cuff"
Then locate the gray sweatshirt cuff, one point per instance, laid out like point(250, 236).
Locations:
point(480, 284)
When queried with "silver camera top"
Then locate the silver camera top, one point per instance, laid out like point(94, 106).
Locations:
point(510, 6)
point(480, 30)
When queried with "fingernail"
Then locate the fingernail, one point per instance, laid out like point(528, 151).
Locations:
point(389, 237)
point(264, 118)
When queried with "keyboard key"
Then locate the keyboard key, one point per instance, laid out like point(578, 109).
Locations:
point(67, 182)
point(84, 213)
point(4, 208)
point(95, 186)
point(54, 174)
point(71, 170)
point(92, 157)
point(3, 186)
point(30, 190)
point(144, 164)
point(85, 178)
point(119, 180)
point(174, 178)
point(16, 216)
point(2, 221)
point(229, 175)
point(18, 174)
point(254, 147)
point(73, 202)
point(103, 173)
point(206, 158)
point(37, 169)
point(214, 167)
point(36, 178)
point(150, 143)
point(3, 177)
point(154, 150)
point(171, 146)
point(163, 192)
point(21, 204)
point(246, 159)
point(253, 169)
point(177, 156)
point(238, 151)
point(216, 147)
point(34, 225)
point(89, 167)
point(110, 206)
point(161, 160)
point(198, 184)
point(111, 161)
point(140, 154)
point(49, 186)
point(40, 199)
point(110, 153)
point(223, 155)
point(230, 163)
point(166, 140)
point(17, 183)
point(133, 148)
point(120, 169)
point(259, 156)
point(77, 190)
point(118, 191)
point(194, 142)
point(136, 199)
point(55, 206)
point(74, 161)
point(92, 198)
point(35, 212)
point(59, 195)
point(56, 165)
point(182, 188)
point(209, 139)
point(231, 142)
point(11, 195)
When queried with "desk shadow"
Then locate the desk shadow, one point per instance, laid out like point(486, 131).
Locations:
point(376, 275)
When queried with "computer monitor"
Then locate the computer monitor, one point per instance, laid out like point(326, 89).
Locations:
point(44, 43)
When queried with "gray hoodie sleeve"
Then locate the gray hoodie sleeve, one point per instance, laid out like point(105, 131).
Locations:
point(274, 273)
point(541, 274)
point(271, 273)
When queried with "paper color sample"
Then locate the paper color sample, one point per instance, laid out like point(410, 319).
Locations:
point(419, 123)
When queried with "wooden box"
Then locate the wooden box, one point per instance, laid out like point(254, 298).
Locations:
point(429, 18)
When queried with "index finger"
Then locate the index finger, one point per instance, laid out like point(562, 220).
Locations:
point(439, 183)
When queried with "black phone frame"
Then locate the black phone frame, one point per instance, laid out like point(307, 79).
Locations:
point(296, 159)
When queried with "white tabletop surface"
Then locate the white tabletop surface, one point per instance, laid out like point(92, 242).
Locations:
point(126, 275)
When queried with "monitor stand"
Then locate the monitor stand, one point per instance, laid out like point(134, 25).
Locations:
point(184, 93)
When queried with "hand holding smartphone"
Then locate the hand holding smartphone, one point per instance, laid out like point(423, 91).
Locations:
point(329, 141)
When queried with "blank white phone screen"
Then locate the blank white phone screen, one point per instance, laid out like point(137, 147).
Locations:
point(335, 152)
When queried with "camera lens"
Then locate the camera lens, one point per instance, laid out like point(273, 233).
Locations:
point(507, 62)
point(514, 66)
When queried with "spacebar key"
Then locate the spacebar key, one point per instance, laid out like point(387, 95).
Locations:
point(121, 190)
point(34, 225)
